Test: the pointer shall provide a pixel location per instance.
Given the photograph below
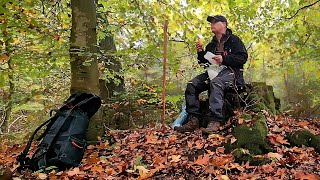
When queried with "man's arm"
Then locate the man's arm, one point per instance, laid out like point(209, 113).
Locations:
point(238, 56)
point(201, 58)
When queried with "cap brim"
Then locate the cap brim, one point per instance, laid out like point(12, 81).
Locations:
point(210, 18)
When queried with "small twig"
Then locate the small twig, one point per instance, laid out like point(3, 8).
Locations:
point(2, 120)
point(313, 111)
point(20, 117)
point(301, 9)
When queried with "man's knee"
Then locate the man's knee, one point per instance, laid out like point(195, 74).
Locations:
point(217, 83)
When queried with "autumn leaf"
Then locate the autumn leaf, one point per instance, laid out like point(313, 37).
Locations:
point(110, 171)
point(199, 145)
point(221, 160)
point(160, 166)
point(276, 139)
point(274, 155)
point(236, 166)
point(4, 58)
point(175, 158)
point(303, 123)
point(233, 140)
point(305, 176)
point(75, 171)
point(224, 177)
point(56, 37)
point(115, 106)
point(214, 136)
point(97, 169)
point(142, 170)
point(220, 150)
point(172, 139)
point(202, 160)
point(281, 140)
point(133, 145)
point(147, 175)
point(268, 168)
point(94, 159)
point(42, 176)
point(151, 139)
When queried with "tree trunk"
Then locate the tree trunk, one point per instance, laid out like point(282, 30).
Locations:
point(84, 68)
point(108, 48)
point(8, 108)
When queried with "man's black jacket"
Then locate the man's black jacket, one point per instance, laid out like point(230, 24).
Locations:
point(234, 54)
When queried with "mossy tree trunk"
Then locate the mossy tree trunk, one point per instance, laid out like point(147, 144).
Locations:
point(84, 68)
point(8, 108)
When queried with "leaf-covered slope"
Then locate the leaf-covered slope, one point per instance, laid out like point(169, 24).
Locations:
point(161, 153)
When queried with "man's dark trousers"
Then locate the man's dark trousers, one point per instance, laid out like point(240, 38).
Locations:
point(216, 87)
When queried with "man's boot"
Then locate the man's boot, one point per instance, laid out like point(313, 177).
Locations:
point(190, 126)
point(212, 127)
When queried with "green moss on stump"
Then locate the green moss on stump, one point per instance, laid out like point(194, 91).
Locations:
point(254, 161)
point(246, 116)
point(306, 138)
point(264, 98)
point(250, 138)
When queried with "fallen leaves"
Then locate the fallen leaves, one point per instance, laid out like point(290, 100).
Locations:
point(202, 160)
point(75, 171)
point(165, 154)
point(175, 158)
point(303, 123)
point(276, 156)
point(277, 139)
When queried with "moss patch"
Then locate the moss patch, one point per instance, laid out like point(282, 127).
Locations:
point(251, 140)
point(264, 98)
point(306, 138)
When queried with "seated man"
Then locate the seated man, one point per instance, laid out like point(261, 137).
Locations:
point(231, 54)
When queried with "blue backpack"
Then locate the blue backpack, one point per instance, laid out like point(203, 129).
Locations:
point(63, 143)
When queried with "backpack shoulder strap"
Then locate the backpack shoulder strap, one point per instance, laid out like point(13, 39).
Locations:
point(22, 157)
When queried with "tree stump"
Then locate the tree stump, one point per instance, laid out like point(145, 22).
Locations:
point(251, 134)
point(304, 137)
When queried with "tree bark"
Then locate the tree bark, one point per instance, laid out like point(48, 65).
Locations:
point(84, 67)
point(108, 48)
point(8, 108)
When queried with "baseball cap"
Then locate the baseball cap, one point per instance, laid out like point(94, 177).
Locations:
point(217, 18)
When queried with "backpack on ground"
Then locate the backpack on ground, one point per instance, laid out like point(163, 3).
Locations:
point(63, 143)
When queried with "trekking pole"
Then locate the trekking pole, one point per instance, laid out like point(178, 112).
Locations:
point(165, 29)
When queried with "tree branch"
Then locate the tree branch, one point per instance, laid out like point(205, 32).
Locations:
point(301, 9)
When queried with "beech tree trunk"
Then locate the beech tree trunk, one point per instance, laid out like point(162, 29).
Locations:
point(84, 68)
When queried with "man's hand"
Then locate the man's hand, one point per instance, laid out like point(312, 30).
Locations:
point(199, 46)
point(218, 59)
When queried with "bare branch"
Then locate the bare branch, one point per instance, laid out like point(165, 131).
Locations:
point(301, 9)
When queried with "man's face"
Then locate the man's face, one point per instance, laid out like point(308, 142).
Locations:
point(218, 27)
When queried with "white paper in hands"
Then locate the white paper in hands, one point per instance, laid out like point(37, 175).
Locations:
point(213, 70)
point(209, 56)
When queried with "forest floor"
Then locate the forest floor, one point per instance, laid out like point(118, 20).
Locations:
point(161, 153)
